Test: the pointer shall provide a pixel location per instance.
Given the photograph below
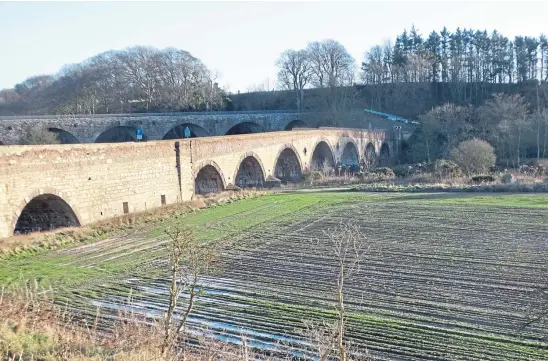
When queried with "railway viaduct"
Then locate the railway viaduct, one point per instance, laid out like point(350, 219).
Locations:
point(49, 186)
point(109, 128)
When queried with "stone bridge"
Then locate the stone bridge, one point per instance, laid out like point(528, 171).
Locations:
point(109, 128)
point(43, 187)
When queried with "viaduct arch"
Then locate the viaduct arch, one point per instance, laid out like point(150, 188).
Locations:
point(287, 165)
point(323, 156)
point(294, 124)
point(117, 134)
point(178, 131)
point(209, 179)
point(384, 155)
point(44, 210)
point(63, 136)
point(245, 128)
point(350, 155)
point(250, 171)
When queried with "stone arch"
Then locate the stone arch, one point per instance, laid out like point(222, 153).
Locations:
point(245, 128)
point(118, 134)
point(384, 155)
point(295, 124)
point(370, 156)
point(44, 211)
point(208, 178)
point(288, 165)
point(63, 136)
point(322, 155)
point(178, 131)
point(249, 172)
point(350, 155)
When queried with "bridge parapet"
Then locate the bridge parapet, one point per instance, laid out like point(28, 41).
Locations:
point(158, 126)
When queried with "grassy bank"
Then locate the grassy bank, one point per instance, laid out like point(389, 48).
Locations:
point(33, 243)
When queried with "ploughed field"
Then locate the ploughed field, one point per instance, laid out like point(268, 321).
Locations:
point(447, 276)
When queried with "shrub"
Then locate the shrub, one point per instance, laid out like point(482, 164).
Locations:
point(447, 168)
point(384, 171)
point(483, 179)
point(402, 170)
point(474, 156)
point(508, 178)
point(312, 176)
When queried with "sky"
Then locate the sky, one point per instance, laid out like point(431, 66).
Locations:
point(239, 40)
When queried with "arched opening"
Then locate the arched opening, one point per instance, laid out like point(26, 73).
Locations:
point(178, 131)
point(1, 143)
point(117, 134)
point(245, 128)
point(287, 167)
point(63, 136)
point(295, 124)
point(322, 157)
point(208, 180)
point(44, 213)
point(370, 157)
point(250, 173)
point(384, 155)
point(350, 157)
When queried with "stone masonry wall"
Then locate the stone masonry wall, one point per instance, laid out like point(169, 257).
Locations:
point(97, 179)
point(94, 179)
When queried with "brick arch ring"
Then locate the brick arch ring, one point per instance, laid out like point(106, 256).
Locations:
point(323, 139)
point(284, 147)
point(244, 156)
point(388, 145)
point(349, 140)
point(38, 192)
point(372, 144)
point(214, 165)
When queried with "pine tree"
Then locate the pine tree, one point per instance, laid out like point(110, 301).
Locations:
point(543, 57)
point(521, 58)
point(432, 47)
point(444, 44)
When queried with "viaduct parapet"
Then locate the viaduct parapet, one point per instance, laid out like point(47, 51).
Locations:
point(49, 186)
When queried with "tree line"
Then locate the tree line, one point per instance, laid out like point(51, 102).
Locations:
point(464, 66)
point(136, 79)
point(410, 76)
point(407, 78)
point(464, 56)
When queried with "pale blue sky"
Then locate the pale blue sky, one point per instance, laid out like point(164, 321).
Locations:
point(240, 40)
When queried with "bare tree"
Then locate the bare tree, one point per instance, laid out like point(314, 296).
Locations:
point(332, 67)
point(322, 336)
point(331, 63)
point(540, 119)
point(295, 72)
point(190, 262)
point(373, 66)
point(449, 122)
point(511, 114)
point(348, 251)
